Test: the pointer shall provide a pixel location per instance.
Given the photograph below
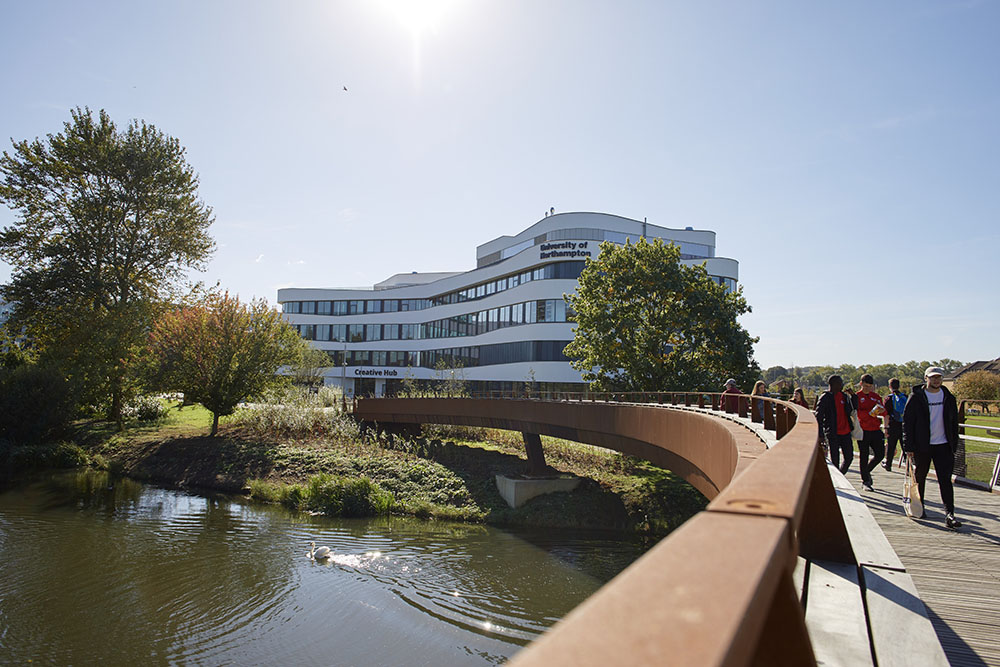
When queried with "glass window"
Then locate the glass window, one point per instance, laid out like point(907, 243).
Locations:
point(505, 316)
point(323, 308)
point(373, 332)
point(530, 312)
point(355, 307)
point(480, 291)
point(323, 331)
point(517, 313)
point(378, 358)
point(512, 282)
point(390, 331)
point(374, 307)
point(293, 306)
point(339, 307)
point(309, 307)
point(560, 310)
point(356, 333)
point(338, 332)
point(391, 305)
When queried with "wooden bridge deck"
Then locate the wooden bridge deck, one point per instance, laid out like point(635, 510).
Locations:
point(956, 573)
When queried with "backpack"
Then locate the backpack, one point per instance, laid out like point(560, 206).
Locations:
point(898, 405)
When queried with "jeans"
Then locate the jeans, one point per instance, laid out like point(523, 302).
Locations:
point(875, 441)
point(894, 437)
point(838, 444)
point(944, 464)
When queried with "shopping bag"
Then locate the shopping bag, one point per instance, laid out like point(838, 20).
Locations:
point(912, 504)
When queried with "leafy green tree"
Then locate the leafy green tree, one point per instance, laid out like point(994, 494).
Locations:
point(978, 387)
point(647, 322)
point(108, 223)
point(309, 371)
point(223, 352)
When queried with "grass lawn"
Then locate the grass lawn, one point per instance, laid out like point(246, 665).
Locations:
point(980, 457)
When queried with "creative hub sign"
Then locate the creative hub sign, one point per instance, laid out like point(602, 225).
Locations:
point(376, 372)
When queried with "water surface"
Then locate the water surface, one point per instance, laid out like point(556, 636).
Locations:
point(108, 570)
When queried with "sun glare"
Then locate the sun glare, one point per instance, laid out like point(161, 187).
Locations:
point(418, 16)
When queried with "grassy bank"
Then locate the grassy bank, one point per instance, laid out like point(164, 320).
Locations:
point(447, 474)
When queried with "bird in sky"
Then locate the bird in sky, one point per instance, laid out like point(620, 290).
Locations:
point(345, 88)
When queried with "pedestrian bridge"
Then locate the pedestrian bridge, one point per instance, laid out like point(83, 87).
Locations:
point(785, 566)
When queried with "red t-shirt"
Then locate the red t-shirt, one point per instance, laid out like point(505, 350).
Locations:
point(867, 401)
point(843, 424)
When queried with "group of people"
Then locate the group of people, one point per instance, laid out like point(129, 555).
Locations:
point(925, 423)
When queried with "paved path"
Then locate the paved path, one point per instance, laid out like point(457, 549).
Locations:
point(956, 573)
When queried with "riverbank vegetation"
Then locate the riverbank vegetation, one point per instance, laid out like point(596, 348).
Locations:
point(294, 451)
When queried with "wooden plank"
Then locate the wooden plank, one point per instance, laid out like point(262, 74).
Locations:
point(900, 628)
point(871, 546)
point(835, 615)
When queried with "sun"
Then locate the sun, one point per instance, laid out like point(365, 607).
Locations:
point(418, 16)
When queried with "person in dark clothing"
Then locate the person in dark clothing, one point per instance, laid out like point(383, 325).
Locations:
point(833, 413)
point(895, 402)
point(870, 409)
point(930, 434)
point(730, 398)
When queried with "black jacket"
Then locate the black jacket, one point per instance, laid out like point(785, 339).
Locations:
point(917, 421)
point(826, 412)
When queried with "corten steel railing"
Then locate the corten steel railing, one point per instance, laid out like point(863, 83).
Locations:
point(718, 590)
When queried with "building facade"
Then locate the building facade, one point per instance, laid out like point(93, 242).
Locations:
point(496, 327)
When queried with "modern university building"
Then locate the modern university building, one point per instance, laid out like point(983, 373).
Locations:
point(501, 325)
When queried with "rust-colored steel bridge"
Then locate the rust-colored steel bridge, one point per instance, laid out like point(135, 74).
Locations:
point(730, 586)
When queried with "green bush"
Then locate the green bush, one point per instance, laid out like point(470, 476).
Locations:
point(37, 404)
point(326, 494)
point(19, 458)
point(145, 409)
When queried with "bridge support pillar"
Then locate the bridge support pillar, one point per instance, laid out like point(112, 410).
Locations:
point(536, 457)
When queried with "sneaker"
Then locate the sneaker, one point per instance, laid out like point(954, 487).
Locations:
point(867, 486)
point(951, 521)
point(887, 466)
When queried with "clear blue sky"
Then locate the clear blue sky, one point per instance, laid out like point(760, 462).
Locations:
point(846, 153)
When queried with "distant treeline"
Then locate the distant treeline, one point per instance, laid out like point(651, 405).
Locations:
point(781, 380)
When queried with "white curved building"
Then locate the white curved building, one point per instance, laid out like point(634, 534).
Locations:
point(497, 327)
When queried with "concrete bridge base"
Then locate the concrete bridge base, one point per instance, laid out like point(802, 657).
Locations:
point(519, 490)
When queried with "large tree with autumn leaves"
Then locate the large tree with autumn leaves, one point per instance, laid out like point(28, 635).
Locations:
point(647, 322)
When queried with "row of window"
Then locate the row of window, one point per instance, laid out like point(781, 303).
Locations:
point(558, 270)
point(468, 324)
point(455, 357)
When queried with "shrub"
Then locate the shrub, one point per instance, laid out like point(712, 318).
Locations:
point(42, 400)
point(145, 409)
point(297, 414)
point(326, 494)
point(19, 458)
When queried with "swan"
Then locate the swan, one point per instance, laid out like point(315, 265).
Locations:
point(321, 553)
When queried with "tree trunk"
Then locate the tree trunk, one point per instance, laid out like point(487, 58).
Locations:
point(215, 424)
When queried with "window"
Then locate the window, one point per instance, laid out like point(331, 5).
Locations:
point(339, 307)
point(323, 307)
point(308, 331)
point(338, 332)
point(292, 306)
point(379, 358)
point(517, 313)
point(390, 331)
point(374, 307)
point(356, 333)
point(391, 305)
point(373, 332)
point(355, 307)
point(323, 331)
point(309, 307)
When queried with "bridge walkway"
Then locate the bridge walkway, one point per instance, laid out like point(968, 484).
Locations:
point(956, 573)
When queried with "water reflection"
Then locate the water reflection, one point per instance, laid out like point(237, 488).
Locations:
point(105, 569)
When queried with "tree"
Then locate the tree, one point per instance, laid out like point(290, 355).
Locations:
point(222, 352)
point(311, 367)
point(978, 387)
point(108, 223)
point(647, 322)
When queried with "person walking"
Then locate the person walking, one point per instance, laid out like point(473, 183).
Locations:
point(930, 434)
point(760, 389)
point(870, 409)
point(799, 398)
point(730, 396)
point(894, 404)
point(833, 414)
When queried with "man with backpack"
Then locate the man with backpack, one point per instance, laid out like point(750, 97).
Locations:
point(930, 433)
point(895, 402)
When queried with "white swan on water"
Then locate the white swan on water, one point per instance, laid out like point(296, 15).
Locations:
point(322, 553)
